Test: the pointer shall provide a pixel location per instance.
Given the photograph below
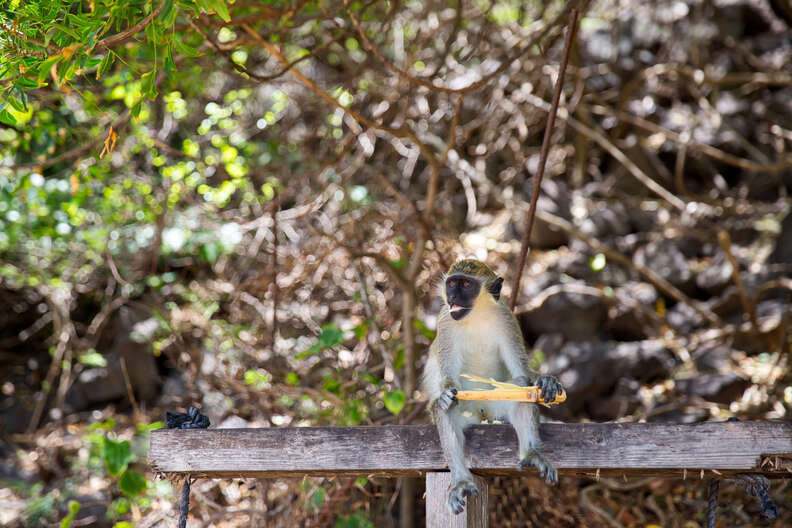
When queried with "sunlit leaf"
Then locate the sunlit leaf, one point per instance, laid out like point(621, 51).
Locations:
point(394, 401)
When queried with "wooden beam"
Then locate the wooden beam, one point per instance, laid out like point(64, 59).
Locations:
point(709, 449)
point(476, 514)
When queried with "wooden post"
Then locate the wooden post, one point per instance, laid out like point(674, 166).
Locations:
point(437, 513)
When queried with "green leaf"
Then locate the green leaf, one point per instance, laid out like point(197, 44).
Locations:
point(25, 83)
point(76, 36)
point(427, 332)
point(135, 110)
point(123, 524)
point(221, 8)
point(394, 401)
point(330, 336)
point(354, 412)
point(292, 379)
point(168, 14)
point(107, 61)
point(184, 49)
point(210, 252)
point(7, 118)
point(312, 351)
point(317, 499)
point(92, 358)
point(67, 521)
point(46, 66)
point(147, 86)
point(398, 264)
point(132, 482)
point(399, 361)
point(215, 5)
point(361, 330)
point(116, 455)
point(18, 105)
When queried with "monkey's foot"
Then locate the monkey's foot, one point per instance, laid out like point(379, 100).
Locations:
point(537, 460)
point(550, 388)
point(457, 494)
point(447, 399)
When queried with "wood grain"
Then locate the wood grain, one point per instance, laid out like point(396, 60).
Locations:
point(438, 515)
point(629, 449)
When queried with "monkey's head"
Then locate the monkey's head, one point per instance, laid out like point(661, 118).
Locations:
point(464, 282)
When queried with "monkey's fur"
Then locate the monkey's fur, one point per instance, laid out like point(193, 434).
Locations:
point(478, 334)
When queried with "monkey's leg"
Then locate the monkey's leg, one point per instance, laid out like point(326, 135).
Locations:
point(524, 417)
point(450, 425)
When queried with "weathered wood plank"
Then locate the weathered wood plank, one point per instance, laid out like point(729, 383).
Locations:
point(476, 514)
point(630, 449)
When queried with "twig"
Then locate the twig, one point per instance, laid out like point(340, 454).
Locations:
point(130, 390)
point(570, 38)
point(137, 28)
point(725, 243)
point(275, 209)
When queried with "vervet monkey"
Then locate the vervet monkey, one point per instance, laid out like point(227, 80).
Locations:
point(478, 334)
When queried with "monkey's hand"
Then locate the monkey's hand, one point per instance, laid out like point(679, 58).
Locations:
point(457, 494)
point(447, 399)
point(550, 388)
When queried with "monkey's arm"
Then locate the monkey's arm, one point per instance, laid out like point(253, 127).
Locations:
point(513, 355)
point(440, 380)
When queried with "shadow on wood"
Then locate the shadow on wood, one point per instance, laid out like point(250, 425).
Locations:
point(712, 449)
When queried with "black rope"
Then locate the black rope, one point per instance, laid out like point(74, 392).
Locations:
point(192, 419)
point(184, 504)
point(712, 505)
point(758, 486)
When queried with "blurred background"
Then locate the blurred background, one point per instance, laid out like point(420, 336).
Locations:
point(246, 206)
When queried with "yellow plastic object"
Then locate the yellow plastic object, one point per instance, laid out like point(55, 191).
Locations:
point(506, 392)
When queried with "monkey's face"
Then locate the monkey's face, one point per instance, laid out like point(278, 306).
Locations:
point(461, 292)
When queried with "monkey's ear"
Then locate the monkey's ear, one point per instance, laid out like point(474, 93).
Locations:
point(495, 287)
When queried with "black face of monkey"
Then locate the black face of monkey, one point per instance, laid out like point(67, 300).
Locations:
point(461, 292)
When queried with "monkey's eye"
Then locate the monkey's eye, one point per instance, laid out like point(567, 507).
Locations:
point(452, 283)
point(466, 283)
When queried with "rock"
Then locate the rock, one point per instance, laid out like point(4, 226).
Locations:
point(667, 260)
point(782, 252)
point(553, 198)
point(608, 221)
point(712, 358)
point(100, 385)
point(718, 388)
point(716, 276)
point(578, 317)
point(590, 370)
point(624, 401)
point(627, 323)
point(683, 318)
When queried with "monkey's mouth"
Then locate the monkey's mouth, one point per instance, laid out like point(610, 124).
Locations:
point(458, 311)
